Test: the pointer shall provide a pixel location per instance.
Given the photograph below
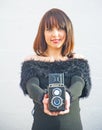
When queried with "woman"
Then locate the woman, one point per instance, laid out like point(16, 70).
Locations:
point(53, 45)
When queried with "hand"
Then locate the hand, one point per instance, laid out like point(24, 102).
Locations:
point(46, 110)
point(67, 105)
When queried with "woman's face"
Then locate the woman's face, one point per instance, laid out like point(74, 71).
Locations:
point(55, 37)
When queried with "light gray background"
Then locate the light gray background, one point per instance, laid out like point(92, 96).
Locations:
point(19, 21)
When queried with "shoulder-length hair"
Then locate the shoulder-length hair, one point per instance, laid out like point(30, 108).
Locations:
point(54, 18)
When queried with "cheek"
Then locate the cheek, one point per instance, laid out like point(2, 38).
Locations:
point(63, 33)
point(64, 36)
point(47, 36)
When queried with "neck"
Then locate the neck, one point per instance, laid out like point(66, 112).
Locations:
point(55, 54)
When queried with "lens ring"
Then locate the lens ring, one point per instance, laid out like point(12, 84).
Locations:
point(57, 101)
point(57, 92)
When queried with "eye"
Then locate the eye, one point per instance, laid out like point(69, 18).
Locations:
point(61, 28)
point(48, 29)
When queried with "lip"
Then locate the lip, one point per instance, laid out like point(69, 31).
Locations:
point(55, 40)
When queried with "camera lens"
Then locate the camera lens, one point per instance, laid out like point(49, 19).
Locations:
point(57, 91)
point(57, 101)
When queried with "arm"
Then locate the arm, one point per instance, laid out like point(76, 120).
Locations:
point(76, 88)
point(34, 91)
point(39, 96)
point(74, 92)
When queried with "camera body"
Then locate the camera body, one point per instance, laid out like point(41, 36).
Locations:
point(56, 91)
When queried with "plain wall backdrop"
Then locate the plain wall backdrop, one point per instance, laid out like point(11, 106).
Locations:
point(19, 20)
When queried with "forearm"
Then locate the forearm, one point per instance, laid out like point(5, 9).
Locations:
point(34, 91)
point(77, 85)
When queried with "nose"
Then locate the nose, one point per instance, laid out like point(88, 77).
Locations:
point(55, 32)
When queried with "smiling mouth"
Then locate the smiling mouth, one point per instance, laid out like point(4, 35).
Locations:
point(55, 40)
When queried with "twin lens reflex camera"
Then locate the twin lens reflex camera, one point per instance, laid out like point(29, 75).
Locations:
point(56, 91)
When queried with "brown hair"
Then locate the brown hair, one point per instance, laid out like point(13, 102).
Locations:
point(57, 18)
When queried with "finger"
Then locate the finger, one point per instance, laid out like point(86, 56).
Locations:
point(67, 104)
point(51, 113)
point(45, 99)
point(46, 110)
point(64, 112)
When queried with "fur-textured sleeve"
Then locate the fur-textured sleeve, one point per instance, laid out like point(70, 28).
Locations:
point(80, 67)
point(70, 68)
point(87, 78)
point(27, 72)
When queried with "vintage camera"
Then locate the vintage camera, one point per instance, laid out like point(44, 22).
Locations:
point(56, 91)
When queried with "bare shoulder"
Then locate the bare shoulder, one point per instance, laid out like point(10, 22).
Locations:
point(31, 57)
point(78, 56)
point(35, 58)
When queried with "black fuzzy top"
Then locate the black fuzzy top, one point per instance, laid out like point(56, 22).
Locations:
point(70, 68)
